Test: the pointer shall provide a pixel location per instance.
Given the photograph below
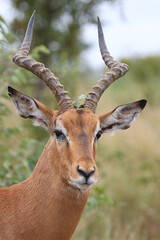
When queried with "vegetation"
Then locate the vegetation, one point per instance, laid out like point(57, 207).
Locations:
point(125, 204)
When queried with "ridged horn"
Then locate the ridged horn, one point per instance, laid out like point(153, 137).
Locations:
point(116, 70)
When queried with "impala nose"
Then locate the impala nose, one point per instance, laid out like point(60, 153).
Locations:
point(85, 174)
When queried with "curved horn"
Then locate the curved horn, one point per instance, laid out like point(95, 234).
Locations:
point(116, 70)
point(21, 59)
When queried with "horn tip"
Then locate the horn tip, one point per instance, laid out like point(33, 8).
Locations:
point(99, 24)
point(33, 12)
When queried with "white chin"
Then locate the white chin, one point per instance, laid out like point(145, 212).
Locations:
point(81, 186)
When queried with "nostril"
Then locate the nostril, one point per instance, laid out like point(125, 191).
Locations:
point(84, 173)
point(91, 172)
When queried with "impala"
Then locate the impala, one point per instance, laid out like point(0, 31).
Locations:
point(48, 205)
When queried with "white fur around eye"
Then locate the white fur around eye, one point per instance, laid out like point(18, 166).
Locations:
point(98, 128)
point(61, 128)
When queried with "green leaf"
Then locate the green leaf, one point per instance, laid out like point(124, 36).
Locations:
point(2, 20)
point(96, 201)
point(40, 49)
point(79, 102)
point(81, 97)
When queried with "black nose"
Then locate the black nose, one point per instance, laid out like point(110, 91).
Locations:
point(84, 173)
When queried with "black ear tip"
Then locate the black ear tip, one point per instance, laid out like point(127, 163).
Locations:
point(142, 103)
point(11, 91)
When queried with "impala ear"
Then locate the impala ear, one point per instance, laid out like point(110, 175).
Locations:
point(30, 108)
point(121, 117)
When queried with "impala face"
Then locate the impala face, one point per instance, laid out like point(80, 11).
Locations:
point(76, 133)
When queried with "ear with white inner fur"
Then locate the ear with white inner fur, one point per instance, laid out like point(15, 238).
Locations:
point(121, 117)
point(30, 108)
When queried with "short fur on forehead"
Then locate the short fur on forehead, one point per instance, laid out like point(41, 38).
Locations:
point(73, 118)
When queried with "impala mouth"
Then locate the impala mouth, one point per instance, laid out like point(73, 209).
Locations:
point(82, 183)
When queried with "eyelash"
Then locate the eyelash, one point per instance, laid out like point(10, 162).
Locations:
point(59, 135)
point(98, 135)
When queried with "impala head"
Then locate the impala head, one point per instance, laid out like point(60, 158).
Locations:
point(73, 132)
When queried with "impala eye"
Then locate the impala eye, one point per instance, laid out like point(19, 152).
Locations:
point(98, 135)
point(59, 135)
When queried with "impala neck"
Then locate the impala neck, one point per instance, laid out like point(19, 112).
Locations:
point(62, 204)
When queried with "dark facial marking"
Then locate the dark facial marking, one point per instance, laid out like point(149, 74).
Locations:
point(83, 139)
point(55, 122)
point(67, 144)
point(79, 111)
point(80, 121)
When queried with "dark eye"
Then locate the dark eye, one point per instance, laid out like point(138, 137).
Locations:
point(98, 135)
point(59, 135)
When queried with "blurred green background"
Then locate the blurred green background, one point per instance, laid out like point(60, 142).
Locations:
point(125, 204)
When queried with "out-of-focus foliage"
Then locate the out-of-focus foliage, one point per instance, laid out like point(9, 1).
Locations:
point(125, 203)
point(146, 73)
point(58, 23)
point(18, 152)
